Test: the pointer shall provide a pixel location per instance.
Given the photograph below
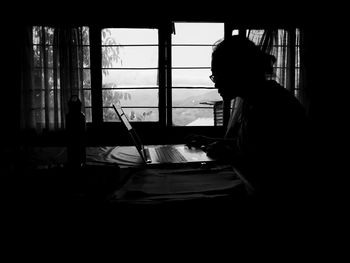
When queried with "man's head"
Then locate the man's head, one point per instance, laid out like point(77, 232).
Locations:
point(237, 66)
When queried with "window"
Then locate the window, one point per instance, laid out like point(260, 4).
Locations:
point(42, 89)
point(59, 66)
point(130, 73)
point(286, 49)
point(193, 93)
point(159, 76)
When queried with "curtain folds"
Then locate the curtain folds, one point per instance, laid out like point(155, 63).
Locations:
point(52, 71)
point(284, 45)
point(27, 118)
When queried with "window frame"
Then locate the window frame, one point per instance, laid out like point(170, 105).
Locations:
point(164, 72)
point(96, 76)
point(171, 88)
point(165, 78)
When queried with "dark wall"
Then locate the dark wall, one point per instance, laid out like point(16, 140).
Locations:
point(10, 83)
point(154, 11)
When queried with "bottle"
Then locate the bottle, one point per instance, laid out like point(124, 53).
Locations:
point(76, 128)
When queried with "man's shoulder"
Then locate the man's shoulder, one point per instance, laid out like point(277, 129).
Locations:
point(274, 89)
point(273, 84)
point(282, 98)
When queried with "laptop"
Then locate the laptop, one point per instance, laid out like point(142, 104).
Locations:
point(163, 154)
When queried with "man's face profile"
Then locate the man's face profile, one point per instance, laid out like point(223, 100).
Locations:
point(227, 79)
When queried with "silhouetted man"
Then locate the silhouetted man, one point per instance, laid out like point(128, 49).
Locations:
point(266, 135)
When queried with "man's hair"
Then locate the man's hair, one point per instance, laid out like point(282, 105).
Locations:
point(240, 51)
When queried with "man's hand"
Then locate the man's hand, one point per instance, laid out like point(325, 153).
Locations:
point(220, 150)
point(198, 141)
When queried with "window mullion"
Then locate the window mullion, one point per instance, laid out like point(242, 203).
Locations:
point(96, 75)
point(168, 72)
point(161, 77)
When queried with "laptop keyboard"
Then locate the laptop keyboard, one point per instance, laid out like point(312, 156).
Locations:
point(168, 154)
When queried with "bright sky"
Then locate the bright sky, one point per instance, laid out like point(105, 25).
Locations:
point(182, 56)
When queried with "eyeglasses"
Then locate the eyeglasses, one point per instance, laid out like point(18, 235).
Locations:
point(212, 77)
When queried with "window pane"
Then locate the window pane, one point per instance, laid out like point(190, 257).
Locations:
point(131, 57)
point(198, 33)
point(191, 78)
point(40, 33)
point(133, 114)
point(49, 32)
point(201, 98)
point(86, 79)
point(297, 78)
point(297, 48)
point(37, 34)
point(297, 57)
point(50, 78)
point(114, 78)
point(38, 56)
point(88, 116)
point(53, 99)
point(235, 32)
point(49, 56)
point(131, 98)
point(129, 36)
point(194, 97)
point(255, 35)
point(86, 37)
point(191, 56)
point(87, 98)
point(192, 47)
point(193, 117)
point(86, 57)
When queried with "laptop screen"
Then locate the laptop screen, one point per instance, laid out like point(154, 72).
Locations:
point(122, 117)
point(138, 144)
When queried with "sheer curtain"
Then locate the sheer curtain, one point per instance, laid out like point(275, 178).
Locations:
point(52, 71)
point(284, 45)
